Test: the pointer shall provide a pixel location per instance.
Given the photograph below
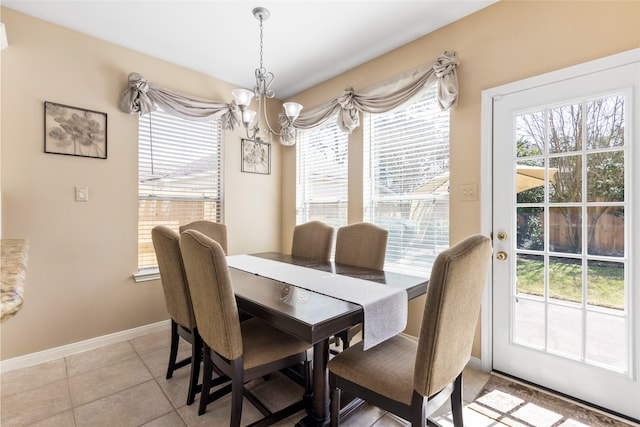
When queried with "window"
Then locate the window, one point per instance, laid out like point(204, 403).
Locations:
point(322, 168)
point(180, 176)
point(406, 181)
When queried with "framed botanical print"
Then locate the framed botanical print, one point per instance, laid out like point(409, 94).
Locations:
point(256, 156)
point(74, 131)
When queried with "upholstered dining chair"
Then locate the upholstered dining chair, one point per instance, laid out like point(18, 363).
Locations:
point(217, 232)
point(214, 230)
point(412, 378)
point(313, 239)
point(362, 245)
point(166, 243)
point(241, 351)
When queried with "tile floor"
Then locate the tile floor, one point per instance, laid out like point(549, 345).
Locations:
point(124, 384)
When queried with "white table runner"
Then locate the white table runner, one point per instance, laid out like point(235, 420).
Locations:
point(385, 308)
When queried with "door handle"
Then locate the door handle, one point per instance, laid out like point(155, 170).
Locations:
point(502, 235)
point(501, 256)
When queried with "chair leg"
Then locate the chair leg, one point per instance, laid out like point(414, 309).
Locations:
point(173, 352)
point(456, 402)
point(207, 373)
point(419, 411)
point(196, 354)
point(237, 392)
point(335, 407)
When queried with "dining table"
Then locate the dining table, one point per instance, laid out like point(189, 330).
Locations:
point(311, 315)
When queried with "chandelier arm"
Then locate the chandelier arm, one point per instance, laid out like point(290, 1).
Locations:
point(253, 130)
point(266, 120)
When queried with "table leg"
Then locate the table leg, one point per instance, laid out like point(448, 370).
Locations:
point(319, 416)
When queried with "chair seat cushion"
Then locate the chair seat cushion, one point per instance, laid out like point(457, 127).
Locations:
point(263, 343)
point(386, 368)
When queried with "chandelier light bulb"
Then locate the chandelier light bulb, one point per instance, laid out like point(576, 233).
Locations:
point(247, 117)
point(292, 110)
point(242, 97)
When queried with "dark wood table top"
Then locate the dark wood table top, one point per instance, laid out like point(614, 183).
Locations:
point(309, 315)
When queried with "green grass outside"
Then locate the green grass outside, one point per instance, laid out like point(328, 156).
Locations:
point(605, 285)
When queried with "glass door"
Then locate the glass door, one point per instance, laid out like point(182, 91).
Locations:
point(564, 187)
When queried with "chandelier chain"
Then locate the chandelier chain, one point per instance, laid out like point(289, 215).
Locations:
point(261, 44)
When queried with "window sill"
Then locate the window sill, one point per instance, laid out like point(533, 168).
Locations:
point(146, 275)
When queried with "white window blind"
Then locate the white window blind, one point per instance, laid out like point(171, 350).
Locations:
point(322, 181)
point(406, 181)
point(180, 176)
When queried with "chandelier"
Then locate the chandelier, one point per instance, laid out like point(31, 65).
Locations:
point(261, 91)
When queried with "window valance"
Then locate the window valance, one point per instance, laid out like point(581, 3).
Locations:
point(142, 97)
point(380, 98)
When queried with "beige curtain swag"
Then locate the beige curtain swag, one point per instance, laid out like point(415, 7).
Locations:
point(143, 97)
point(380, 98)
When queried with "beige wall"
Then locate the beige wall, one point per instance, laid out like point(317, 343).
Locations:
point(79, 278)
point(79, 283)
point(505, 42)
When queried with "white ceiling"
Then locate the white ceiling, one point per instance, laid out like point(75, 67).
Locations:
point(305, 42)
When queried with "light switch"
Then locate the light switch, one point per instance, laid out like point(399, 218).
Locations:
point(469, 192)
point(82, 194)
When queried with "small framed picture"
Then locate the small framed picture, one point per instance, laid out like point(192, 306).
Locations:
point(256, 156)
point(74, 131)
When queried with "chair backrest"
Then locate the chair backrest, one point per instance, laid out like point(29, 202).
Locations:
point(214, 302)
point(362, 244)
point(313, 239)
point(451, 312)
point(214, 230)
point(166, 243)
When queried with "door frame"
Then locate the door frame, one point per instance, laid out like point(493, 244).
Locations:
point(486, 178)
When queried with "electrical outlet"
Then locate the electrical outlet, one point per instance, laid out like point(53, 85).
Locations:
point(469, 192)
point(82, 194)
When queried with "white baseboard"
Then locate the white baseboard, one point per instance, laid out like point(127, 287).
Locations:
point(90, 344)
point(475, 363)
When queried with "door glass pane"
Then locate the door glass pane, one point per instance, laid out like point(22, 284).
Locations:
point(530, 181)
point(565, 279)
point(529, 323)
point(605, 177)
point(605, 122)
point(605, 284)
point(530, 223)
point(565, 229)
point(567, 184)
point(565, 330)
point(530, 275)
point(606, 231)
point(606, 343)
point(530, 134)
point(565, 128)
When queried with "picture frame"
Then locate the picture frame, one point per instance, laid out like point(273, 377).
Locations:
point(256, 156)
point(74, 131)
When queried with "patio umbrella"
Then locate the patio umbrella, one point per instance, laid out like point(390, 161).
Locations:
point(528, 177)
point(437, 184)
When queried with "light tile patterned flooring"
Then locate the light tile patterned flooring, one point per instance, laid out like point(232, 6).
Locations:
point(124, 384)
